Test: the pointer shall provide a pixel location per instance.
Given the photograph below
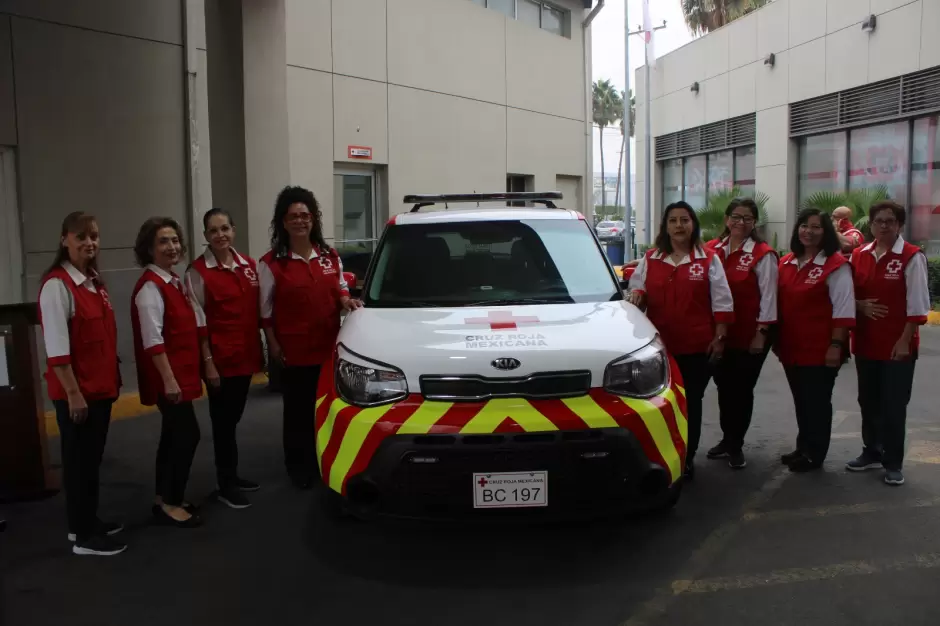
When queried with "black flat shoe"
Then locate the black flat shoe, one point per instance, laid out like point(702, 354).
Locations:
point(786, 459)
point(803, 464)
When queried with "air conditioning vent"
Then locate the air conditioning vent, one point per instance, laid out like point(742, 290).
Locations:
point(905, 96)
point(738, 131)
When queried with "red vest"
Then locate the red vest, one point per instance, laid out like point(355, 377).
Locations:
point(745, 289)
point(92, 343)
point(884, 281)
point(804, 312)
point(679, 302)
point(180, 342)
point(306, 306)
point(233, 319)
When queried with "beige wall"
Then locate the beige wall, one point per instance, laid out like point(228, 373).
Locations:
point(819, 47)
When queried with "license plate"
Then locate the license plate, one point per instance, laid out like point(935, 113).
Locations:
point(510, 490)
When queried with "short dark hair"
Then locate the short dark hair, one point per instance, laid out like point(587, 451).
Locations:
point(212, 213)
point(143, 246)
point(750, 205)
point(888, 205)
point(663, 242)
point(830, 241)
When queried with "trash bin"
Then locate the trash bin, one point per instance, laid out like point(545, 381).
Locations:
point(615, 251)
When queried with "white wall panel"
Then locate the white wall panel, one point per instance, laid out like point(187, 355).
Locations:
point(883, 6)
point(894, 48)
point(844, 13)
point(742, 41)
point(716, 91)
point(772, 136)
point(309, 33)
point(742, 88)
point(773, 83)
point(716, 53)
point(808, 70)
point(359, 38)
point(929, 41)
point(846, 55)
point(773, 28)
point(807, 21)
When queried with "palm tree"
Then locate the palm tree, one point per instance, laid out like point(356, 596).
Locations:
point(704, 16)
point(623, 141)
point(608, 106)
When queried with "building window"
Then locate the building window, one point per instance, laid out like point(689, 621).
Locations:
point(822, 164)
point(879, 156)
point(745, 170)
point(720, 172)
point(517, 183)
point(696, 178)
point(540, 14)
point(924, 212)
point(672, 181)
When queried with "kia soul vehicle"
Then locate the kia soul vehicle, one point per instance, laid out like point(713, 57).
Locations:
point(497, 370)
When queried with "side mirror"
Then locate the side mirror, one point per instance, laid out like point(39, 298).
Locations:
point(350, 279)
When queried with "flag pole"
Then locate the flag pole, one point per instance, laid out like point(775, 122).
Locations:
point(628, 241)
point(648, 170)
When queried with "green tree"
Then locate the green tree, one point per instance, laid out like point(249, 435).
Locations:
point(704, 16)
point(859, 200)
point(608, 107)
point(712, 217)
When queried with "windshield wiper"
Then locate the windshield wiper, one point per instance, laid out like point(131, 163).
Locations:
point(520, 301)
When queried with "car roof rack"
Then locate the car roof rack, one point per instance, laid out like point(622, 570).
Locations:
point(539, 197)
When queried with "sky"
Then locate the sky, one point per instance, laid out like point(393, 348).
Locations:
point(608, 57)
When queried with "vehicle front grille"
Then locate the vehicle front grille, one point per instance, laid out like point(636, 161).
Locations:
point(539, 386)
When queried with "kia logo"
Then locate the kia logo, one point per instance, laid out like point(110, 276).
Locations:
point(505, 364)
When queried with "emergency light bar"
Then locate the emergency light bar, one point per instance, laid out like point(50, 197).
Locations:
point(539, 197)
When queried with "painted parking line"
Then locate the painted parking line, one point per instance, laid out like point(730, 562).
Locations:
point(713, 546)
point(837, 510)
point(790, 576)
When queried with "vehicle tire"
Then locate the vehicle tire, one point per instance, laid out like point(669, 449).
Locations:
point(333, 505)
point(670, 502)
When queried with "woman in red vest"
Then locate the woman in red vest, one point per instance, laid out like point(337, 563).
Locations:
point(223, 285)
point(893, 301)
point(816, 301)
point(302, 294)
point(166, 346)
point(80, 337)
point(686, 294)
point(751, 267)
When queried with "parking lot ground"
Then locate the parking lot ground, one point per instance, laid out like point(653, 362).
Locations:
point(758, 546)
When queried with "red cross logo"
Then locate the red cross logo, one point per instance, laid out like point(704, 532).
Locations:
point(501, 320)
point(482, 482)
point(696, 270)
point(815, 273)
point(746, 259)
point(894, 266)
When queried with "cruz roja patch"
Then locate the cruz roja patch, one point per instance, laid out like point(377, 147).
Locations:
point(514, 340)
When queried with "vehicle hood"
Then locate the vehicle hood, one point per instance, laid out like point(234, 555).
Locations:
point(466, 340)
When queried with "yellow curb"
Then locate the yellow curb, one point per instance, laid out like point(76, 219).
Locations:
point(933, 318)
point(128, 406)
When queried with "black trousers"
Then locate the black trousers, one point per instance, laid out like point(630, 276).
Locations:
point(811, 387)
point(179, 438)
point(299, 386)
point(884, 391)
point(696, 372)
point(736, 376)
point(82, 449)
point(226, 407)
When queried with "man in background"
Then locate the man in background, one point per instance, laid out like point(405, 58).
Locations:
point(849, 236)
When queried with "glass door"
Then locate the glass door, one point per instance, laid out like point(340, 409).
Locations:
point(354, 219)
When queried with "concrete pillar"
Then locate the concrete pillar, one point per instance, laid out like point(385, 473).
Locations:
point(267, 149)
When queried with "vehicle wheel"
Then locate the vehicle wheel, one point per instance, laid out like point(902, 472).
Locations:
point(333, 505)
point(670, 502)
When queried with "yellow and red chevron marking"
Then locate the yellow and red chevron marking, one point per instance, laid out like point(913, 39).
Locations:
point(348, 436)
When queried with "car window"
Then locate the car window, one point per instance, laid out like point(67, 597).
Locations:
point(469, 263)
point(606, 225)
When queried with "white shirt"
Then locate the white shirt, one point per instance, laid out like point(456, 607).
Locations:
point(722, 302)
point(766, 271)
point(267, 282)
point(58, 308)
point(841, 287)
point(196, 286)
point(150, 308)
point(915, 278)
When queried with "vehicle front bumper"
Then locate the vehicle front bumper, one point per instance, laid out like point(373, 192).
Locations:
point(589, 472)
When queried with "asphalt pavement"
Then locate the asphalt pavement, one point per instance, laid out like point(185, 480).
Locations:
point(756, 546)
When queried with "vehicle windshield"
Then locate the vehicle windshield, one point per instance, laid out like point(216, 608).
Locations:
point(488, 263)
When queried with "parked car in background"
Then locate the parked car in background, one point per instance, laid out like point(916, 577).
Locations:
point(610, 230)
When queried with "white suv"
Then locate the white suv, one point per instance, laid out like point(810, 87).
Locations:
point(496, 369)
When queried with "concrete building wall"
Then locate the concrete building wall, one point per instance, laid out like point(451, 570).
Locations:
point(819, 49)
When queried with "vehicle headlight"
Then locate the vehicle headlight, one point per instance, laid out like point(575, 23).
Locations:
point(641, 374)
point(365, 383)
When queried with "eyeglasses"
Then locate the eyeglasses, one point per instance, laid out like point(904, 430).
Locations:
point(889, 223)
point(737, 219)
point(299, 217)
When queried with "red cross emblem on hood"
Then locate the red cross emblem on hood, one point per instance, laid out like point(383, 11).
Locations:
point(501, 320)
